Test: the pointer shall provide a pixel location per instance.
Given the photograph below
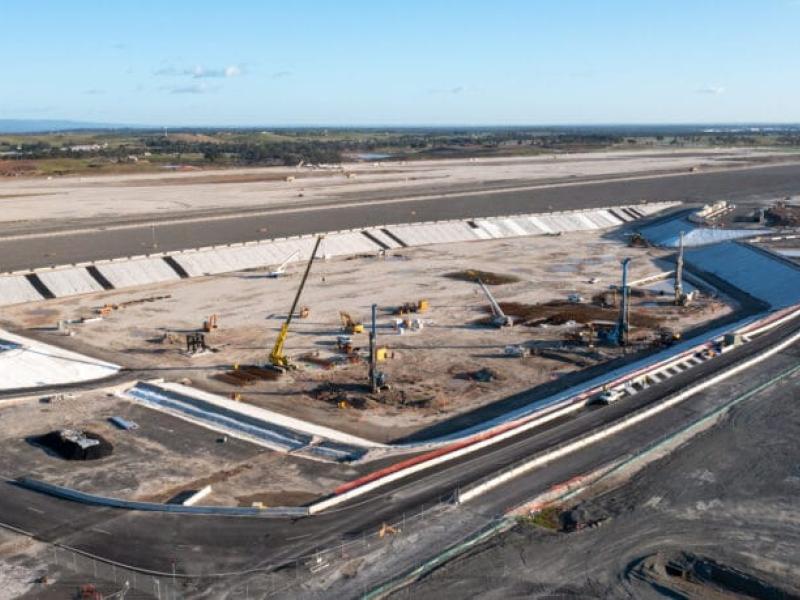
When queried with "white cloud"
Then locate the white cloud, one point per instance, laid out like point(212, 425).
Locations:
point(712, 90)
point(201, 72)
point(455, 90)
point(194, 88)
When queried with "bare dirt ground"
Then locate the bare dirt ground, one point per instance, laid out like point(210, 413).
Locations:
point(157, 461)
point(715, 519)
point(435, 373)
point(72, 198)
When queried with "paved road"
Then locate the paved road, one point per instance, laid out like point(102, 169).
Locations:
point(212, 544)
point(359, 212)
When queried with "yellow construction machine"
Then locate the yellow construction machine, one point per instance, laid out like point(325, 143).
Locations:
point(349, 325)
point(276, 358)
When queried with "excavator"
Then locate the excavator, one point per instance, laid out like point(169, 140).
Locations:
point(350, 325)
point(277, 359)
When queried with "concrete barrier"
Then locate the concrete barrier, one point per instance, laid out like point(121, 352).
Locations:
point(197, 496)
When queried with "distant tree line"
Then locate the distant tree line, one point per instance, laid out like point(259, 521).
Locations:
point(331, 146)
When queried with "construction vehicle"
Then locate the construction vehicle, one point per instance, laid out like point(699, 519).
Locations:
point(349, 325)
point(277, 359)
point(210, 324)
point(610, 396)
point(516, 351)
point(420, 306)
point(667, 336)
point(499, 318)
point(620, 333)
point(280, 270)
point(377, 378)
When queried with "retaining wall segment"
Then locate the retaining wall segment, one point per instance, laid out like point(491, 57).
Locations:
point(15, 289)
point(760, 275)
point(140, 271)
point(381, 238)
point(69, 282)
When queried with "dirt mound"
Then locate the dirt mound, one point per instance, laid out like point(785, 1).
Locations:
point(15, 168)
point(71, 444)
point(351, 396)
point(783, 215)
point(689, 575)
point(559, 312)
point(487, 277)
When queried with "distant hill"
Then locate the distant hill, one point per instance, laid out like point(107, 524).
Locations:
point(50, 125)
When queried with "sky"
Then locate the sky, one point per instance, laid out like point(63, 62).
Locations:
point(410, 62)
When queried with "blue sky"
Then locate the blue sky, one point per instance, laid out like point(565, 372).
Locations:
point(406, 62)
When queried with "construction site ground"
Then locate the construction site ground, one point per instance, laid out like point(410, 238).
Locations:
point(158, 461)
point(715, 518)
point(437, 372)
point(67, 199)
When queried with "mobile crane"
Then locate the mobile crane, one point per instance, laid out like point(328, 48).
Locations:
point(499, 318)
point(277, 359)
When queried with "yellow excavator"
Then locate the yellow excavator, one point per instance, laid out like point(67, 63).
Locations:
point(276, 358)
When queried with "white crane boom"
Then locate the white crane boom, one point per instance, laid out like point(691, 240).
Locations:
point(499, 318)
point(279, 270)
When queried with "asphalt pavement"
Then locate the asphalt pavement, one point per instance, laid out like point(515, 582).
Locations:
point(347, 212)
point(202, 545)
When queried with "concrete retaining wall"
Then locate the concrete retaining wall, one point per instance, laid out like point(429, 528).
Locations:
point(69, 282)
point(15, 289)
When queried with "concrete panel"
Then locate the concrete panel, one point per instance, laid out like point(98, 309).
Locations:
point(379, 235)
point(15, 289)
point(342, 244)
point(526, 226)
point(540, 225)
point(584, 221)
point(513, 227)
point(491, 228)
point(756, 272)
point(137, 272)
point(68, 282)
point(605, 219)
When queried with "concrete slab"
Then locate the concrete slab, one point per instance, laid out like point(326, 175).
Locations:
point(28, 363)
point(15, 289)
point(68, 282)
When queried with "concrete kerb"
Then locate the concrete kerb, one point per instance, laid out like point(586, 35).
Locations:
point(627, 466)
point(483, 487)
point(84, 498)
